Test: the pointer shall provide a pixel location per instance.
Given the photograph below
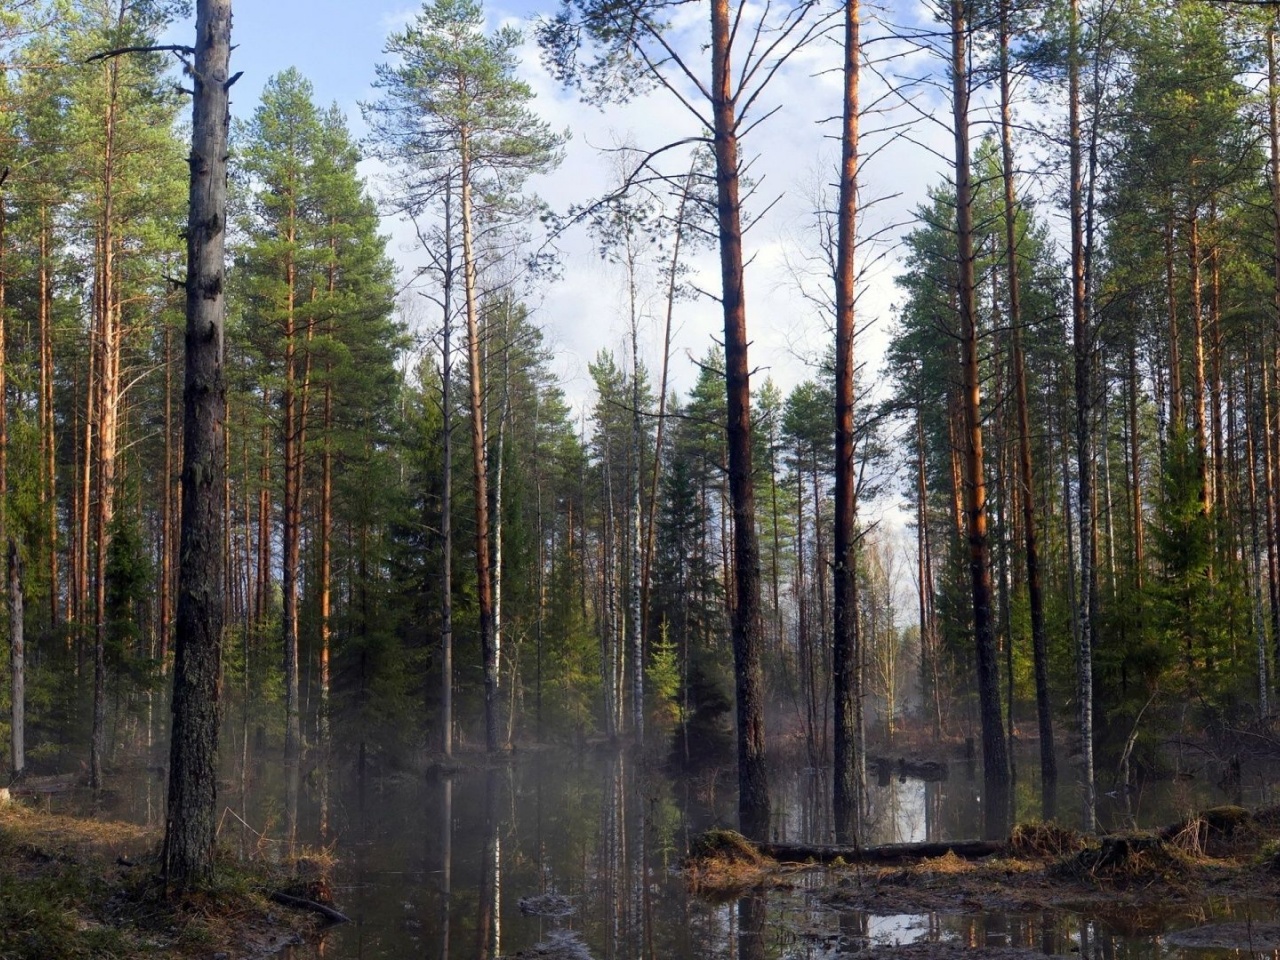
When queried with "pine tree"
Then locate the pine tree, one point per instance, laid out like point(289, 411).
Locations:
point(454, 117)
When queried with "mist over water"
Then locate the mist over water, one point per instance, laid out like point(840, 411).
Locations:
point(577, 855)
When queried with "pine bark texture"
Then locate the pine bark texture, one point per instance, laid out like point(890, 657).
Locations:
point(105, 381)
point(190, 823)
point(995, 755)
point(479, 462)
point(1026, 488)
point(753, 783)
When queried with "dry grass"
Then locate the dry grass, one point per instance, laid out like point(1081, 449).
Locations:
point(1134, 859)
point(724, 862)
point(947, 865)
point(1221, 852)
point(1043, 841)
point(69, 835)
point(67, 892)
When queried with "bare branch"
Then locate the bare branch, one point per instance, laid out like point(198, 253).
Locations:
point(178, 48)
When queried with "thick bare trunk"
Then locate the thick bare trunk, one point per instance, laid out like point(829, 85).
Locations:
point(496, 513)
point(480, 467)
point(1269, 434)
point(166, 506)
point(49, 489)
point(995, 756)
point(753, 783)
point(108, 385)
point(326, 560)
point(190, 823)
point(846, 665)
point(1026, 488)
point(1083, 350)
point(291, 537)
point(446, 493)
point(84, 487)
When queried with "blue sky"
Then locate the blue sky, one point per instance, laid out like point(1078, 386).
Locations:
point(336, 44)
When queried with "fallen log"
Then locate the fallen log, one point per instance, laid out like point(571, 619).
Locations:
point(1224, 823)
point(302, 903)
point(885, 853)
point(38, 786)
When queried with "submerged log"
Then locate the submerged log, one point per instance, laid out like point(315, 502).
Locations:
point(302, 903)
point(886, 853)
point(1027, 840)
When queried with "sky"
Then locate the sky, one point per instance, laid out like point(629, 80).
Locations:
point(336, 44)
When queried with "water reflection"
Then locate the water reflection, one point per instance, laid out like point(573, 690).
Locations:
point(578, 856)
point(446, 862)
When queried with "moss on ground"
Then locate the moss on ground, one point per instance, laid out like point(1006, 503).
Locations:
point(75, 888)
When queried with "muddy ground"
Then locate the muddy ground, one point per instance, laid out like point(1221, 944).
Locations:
point(1139, 884)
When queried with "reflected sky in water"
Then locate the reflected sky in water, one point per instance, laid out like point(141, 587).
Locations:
point(577, 856)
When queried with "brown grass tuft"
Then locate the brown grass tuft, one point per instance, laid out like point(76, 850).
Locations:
point(724, 862)
point(1044, 841)
point(1133, 858)
point(946, 865)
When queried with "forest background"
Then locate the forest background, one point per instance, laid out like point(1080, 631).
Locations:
point(1145, 241)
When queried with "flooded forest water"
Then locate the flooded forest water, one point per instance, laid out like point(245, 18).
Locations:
point(577, 855)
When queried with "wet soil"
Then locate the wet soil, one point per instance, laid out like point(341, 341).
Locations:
point(1137, 885)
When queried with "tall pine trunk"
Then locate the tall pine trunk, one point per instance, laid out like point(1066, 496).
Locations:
point(753, 782)
point(995, 755)
point(846, 652)
point(108, 410)
point(1083, 355)
point(1026, 487)
point(187, 856)
point(17, 667)
point(446, 489)
point(479, 462)
point(48, 436)
point(291, 537)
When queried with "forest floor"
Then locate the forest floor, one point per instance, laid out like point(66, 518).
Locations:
point(75, 888)
point(1137, 884)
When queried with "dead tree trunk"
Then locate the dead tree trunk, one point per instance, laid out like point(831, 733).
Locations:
point(190, 822)
point(846, 653)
